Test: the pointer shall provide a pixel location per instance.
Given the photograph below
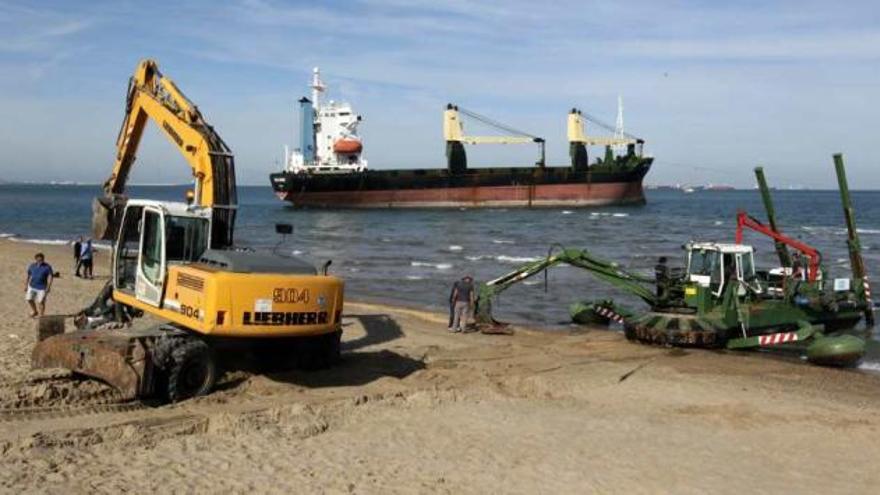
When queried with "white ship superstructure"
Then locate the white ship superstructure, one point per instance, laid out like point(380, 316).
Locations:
point(329, 141)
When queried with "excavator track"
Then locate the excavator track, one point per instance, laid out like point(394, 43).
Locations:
point(58, 396)
point(65, 411)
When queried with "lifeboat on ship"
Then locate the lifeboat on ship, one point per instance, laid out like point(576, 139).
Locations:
point(347, 146)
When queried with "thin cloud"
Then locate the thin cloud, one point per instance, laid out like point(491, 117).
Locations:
point(36, 31)
point(699, 78)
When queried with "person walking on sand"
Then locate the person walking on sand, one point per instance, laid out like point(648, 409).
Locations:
point(463, 297)
point(38, 284)
point(77, 250)
point(86, 255)
point(452, 305)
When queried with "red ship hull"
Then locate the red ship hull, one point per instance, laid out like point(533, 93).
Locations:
point(581, 194)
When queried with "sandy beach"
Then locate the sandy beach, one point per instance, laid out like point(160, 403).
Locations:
point(413, 409)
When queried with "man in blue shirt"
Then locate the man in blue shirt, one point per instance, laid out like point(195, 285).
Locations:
point(38, 284)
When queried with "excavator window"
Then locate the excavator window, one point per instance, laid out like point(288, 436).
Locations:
point(128, 248)
point(151, 254)
point(186, 238)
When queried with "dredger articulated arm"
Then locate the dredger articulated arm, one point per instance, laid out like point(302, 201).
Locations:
point(152, 96)
point(606, 271)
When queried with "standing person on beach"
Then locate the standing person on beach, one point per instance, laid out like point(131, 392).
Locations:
point(37, 284)
point(463, 297)
point(85, 257)
point(77, 249)
point(452, 305)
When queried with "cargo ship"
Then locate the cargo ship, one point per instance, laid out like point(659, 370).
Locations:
point(329, 170)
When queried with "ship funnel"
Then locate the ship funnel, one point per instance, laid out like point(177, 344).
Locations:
point(307, 130)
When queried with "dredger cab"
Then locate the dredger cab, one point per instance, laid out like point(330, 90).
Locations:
point(712, 267)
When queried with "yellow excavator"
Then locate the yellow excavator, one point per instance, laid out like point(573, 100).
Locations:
point(176, 262)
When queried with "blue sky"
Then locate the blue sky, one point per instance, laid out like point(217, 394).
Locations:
point(713, 87)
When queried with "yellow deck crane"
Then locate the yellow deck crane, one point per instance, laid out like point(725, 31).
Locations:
point(453, 133)
point(176, 262)
point(578, 140)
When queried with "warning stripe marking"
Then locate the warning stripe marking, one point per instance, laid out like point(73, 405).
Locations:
point(607, 313)
point(777, 338)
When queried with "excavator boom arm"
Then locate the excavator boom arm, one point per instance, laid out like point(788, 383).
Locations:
point(151, 96)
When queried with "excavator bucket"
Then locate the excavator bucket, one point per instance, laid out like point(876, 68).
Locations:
point(120, 358)
point(106, 215)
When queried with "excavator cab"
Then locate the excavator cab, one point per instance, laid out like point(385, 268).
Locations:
point(152, 236)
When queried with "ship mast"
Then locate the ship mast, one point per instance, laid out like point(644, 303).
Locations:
point(618, 128)
point(318, 87)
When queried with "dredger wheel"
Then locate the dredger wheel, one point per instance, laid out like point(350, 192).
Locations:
point(673, 329)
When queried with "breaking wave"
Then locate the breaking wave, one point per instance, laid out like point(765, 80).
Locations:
point(479, 257)
point(516, 259)
point(826, 230)
point(608, 214)
point(438, 266)
point(99, 245)
point(44, 242)
point(872, 366)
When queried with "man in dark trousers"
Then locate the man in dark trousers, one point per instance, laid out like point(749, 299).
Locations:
point(462, 302)
point(38, 284)
point(77, 248)
point(86, 255)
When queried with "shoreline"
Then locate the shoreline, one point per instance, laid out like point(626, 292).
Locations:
point(413, 408)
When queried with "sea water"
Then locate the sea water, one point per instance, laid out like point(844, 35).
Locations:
point(412, 256)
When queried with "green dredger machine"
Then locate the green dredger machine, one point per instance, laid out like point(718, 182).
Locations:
point(719, 300)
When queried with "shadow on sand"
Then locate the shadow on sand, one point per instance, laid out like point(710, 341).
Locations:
point(379, 329)
point(358, 367)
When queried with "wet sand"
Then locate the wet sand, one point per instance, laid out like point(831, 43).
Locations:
point(414, 409)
